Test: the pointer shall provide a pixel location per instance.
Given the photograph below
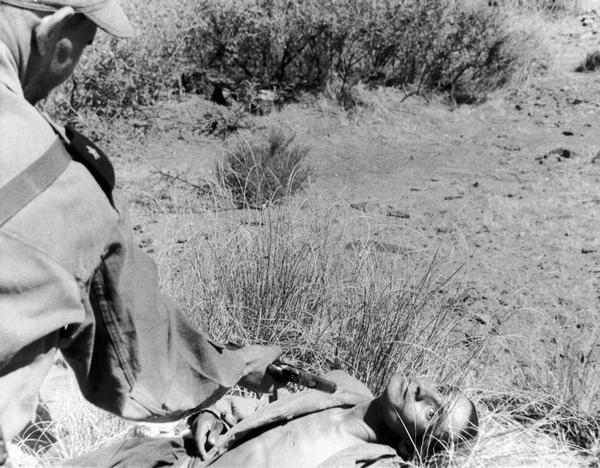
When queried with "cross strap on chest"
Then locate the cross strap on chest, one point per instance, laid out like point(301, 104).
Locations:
point(29, 183)
point(69, 145)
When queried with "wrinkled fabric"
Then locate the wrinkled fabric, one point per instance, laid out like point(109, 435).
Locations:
point(73, 279)
point(177, 452)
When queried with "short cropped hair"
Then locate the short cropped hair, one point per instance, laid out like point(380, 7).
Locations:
point(434, 440)
point(472, 430)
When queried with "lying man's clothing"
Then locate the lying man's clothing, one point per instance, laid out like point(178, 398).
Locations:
point(73, 279)
point(270, 435)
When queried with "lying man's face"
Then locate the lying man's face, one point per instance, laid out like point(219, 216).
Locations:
point(419, 407)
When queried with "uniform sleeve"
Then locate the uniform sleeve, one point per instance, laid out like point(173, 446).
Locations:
point(145, 361)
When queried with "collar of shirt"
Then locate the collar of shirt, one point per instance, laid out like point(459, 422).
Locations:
point(9, 75)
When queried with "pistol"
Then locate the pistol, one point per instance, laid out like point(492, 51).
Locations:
point(285, 372)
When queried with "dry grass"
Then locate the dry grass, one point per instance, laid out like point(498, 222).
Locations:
point(265, 170)
point(287, 276)
point(290, 277)
point(590, 63)
point(78, 426)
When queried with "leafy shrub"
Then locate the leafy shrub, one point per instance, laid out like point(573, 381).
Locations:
point(116, 77)
point(115, 82)
point(294, 45)
point(547, 6)
point(591, 62)
point(303, 45)
point(263, 172)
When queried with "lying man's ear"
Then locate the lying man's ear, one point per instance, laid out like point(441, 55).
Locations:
point(46, 33)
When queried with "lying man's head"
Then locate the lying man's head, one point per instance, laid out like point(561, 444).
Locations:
point(427, 416)
point(47, 37)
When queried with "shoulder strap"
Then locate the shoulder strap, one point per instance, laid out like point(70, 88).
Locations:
point(85, 151)
point(39, 175)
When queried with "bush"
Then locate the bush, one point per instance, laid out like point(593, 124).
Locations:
point(260, 173)
point(294, 45)
point(545, 6)
point(117, 77)
point(298, 45)
point(118, 82)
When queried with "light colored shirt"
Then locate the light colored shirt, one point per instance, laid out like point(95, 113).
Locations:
point(284, 433)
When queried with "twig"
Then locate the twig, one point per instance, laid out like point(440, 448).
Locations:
point(206, 188)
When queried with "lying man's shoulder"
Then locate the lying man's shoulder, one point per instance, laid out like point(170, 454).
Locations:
point(346, 382)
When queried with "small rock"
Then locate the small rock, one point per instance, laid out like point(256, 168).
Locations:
point(145, 243)
point(568, 133)
point(587, 250)
point(596, 159)
point(476, 184)
point(360, 206)
point(396, 213)
point(366, 207)
point(453, 197)
point(560, 153)
point(480, 319)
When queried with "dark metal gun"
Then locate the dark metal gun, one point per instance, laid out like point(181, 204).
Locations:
point(285, 372)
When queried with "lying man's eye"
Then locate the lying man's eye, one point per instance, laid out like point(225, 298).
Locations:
point(430, 414)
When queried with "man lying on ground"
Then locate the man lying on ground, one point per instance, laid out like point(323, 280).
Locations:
point(308, 429)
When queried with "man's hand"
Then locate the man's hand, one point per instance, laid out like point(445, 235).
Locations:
point(256, 378)
point(206, 430)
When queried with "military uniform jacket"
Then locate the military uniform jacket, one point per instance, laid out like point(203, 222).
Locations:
point(72, 279)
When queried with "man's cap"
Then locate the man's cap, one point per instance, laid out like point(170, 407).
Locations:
point(107, 14)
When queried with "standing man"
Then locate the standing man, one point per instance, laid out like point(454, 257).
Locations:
point(71, 277)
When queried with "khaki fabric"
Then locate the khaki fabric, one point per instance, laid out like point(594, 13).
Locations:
point(73, 279)
point(263, 418)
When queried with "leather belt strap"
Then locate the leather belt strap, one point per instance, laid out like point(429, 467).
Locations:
point(37, 177)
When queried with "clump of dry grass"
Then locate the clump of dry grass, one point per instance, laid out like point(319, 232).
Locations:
point(590, 63)
point(505, 441)
point(78, 426)
point(278, 276)
point(265, 170)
